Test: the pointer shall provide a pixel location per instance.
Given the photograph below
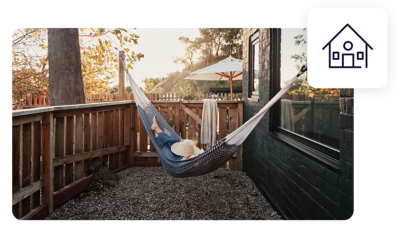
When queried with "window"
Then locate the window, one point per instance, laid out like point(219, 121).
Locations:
point(304, 114)
point(335, 55)
point(254, 66)
point(360, 55)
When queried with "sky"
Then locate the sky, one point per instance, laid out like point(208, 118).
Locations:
point(288, 65)
point(158, 45)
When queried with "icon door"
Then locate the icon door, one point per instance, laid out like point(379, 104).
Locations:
point(348, 60)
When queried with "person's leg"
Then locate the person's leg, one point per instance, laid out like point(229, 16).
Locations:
point(164, 141)
point(169, 141)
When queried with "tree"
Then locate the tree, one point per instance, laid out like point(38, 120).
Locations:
point(99, 59)
point(190, 49)
point(301, 85)
point(66, 83)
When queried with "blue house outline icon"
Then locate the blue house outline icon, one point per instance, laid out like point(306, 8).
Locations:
point(344, 46)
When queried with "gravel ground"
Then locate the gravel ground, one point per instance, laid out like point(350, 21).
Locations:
point(149, 193)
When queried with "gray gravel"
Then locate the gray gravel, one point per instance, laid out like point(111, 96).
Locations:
point(149, 193)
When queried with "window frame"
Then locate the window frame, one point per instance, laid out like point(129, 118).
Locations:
point(253, 40)
point(326, 154)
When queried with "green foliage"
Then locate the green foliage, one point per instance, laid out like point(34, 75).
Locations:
point(128, 89)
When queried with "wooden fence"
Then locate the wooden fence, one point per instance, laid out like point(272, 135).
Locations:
point(52, 146)
point(317, 117)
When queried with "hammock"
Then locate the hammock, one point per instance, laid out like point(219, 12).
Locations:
point(214, 157)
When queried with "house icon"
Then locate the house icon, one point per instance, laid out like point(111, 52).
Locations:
point(346, 50)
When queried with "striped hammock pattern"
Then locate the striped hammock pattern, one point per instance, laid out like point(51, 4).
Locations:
point(214, 157)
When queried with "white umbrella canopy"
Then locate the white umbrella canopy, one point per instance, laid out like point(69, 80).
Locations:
point(228, 69)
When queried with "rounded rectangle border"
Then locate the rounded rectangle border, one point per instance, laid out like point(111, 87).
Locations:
point(393, 62)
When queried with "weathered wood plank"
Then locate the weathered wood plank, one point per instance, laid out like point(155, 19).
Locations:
point(176, 116)
point(100, 130)
point(239, 152)
point(116, 138)
point(69, 149)
point(183, 124)
point(70, 191)
point(58, 152)
point(192, 126)
point(111, 139)
point(47, 160)
point(222, 124)
point(88, 155)
point(133, 144)
point(36, 151)
point(233, 125)
point(143, 140)
point(78, 145)
point(89, 110)
point(86, 140)
point(27, 119)
point(192, 114)
point(25, 192)
point(93, 131)
point(16, 132)
point(106, 134)
point(145, 154)
point(26, 164)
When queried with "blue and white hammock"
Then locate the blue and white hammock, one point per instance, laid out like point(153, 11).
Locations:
point(214, 157)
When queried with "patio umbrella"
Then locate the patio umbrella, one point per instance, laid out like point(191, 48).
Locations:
point(228, 69)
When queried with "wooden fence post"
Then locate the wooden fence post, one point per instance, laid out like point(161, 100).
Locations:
point(121, 87)
point(47, 160)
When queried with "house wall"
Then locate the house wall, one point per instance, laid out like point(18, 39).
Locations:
point(296, 184)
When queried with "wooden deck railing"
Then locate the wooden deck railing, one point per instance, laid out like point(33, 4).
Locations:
point(52, 146)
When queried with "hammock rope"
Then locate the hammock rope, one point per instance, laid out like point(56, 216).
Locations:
point(214, 157)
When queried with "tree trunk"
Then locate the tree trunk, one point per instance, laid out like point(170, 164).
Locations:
point(65, 73)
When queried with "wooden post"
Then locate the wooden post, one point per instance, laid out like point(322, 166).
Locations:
point(121, 87)
point(47, 160)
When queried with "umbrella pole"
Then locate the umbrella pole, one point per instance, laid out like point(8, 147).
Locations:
point(231, 89)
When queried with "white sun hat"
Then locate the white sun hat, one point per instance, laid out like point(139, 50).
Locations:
point(185, 147)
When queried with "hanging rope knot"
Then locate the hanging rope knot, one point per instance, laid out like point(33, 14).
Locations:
point(302, 70)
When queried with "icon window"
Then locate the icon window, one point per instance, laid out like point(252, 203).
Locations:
point(335, 55)
point(360, 55)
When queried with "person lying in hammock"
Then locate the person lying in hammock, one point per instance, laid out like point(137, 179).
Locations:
point(173, 148)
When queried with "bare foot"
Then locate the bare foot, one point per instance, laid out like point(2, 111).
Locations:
point(155, 124)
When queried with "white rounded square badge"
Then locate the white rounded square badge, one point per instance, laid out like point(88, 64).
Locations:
point(347, 48)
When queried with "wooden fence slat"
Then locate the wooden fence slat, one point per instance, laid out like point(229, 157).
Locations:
point(122, 155)
point(142, 140)
point(233, 125)
point(116, 138)
point(133, 134)
point(93, 132)
point(69, 144)
point(111, 139)
point(192, 127)
point(47, 160)
point(222, 124)
point(100, 130)
point(199, 125)
point(176, 116)
point(16, 131)
point(26, 164)
point(183, 124)
point(59, 151)
point(78, 145)
point(36, 151)
point(86, 140)
point(106, 134)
